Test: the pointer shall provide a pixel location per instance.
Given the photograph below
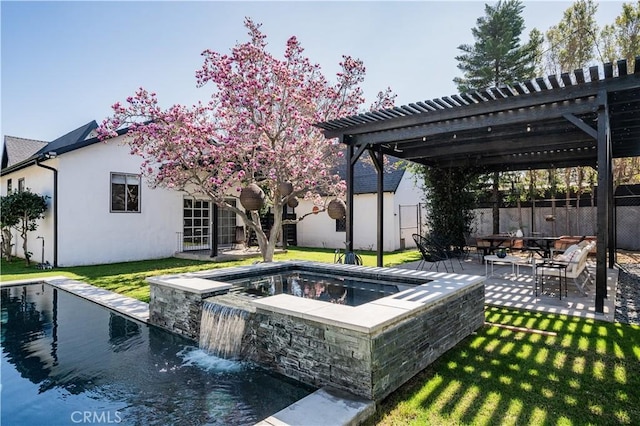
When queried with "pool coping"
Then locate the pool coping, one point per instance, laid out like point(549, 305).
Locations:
point(428, 288)
point(124, 305)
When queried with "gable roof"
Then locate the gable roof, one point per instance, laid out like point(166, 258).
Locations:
point(18, 149)
point(78, 138)
point(365, 177)
point(73, 140)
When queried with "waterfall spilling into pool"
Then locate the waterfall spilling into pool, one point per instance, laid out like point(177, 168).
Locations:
point(221, 330)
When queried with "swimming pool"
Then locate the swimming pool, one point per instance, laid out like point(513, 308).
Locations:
point(67, 361)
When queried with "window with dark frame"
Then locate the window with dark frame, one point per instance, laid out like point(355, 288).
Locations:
point(341, 225)
point(21, 185)
point(125, 193)
point(9, 186)
point(196, 223)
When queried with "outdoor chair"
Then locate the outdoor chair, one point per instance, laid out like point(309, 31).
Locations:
point(442, 244)
point(431, 253)
point(471, 247)
point(575, 256)
point(347, 257)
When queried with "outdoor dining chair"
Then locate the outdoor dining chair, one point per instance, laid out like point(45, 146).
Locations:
point(431, 253)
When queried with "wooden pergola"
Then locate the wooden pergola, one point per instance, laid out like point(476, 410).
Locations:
point(579, 119)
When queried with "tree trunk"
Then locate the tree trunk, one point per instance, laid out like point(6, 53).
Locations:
point(275, 232)
point(6, 243)
point(23, 234)
point(254, 223)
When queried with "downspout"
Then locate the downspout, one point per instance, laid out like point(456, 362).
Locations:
point(55, 205)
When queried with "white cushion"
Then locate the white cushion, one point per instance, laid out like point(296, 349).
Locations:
point(569, 256)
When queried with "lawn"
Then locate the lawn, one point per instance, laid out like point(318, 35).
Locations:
point(129, 278)
point(527, 368)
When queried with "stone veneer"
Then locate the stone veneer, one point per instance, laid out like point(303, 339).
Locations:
point(368, 363)
point(369, 350)
point(175, 303)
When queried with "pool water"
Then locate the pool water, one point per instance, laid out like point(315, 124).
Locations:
point(68, 361)
point(324, 287)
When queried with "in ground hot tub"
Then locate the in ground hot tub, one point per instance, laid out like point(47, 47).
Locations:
point(351, 291)
point(369, 349)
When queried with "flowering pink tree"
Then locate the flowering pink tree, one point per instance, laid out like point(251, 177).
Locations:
point(257, 128)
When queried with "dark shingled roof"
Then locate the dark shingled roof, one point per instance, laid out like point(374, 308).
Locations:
point(73, 140)
point(365, 177)
point(78, 138)
point(17, 149)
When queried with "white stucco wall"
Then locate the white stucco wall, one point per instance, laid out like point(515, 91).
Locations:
point(38, 181)
point(88, 232)
point(320, 230)
point(408, 194)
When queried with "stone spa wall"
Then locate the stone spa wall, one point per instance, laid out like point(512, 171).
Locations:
point(369, 350)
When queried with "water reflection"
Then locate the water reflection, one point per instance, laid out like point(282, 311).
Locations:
point(326, 288)
point(61, 354)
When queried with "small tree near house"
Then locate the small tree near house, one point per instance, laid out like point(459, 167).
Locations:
point(8, 219)
point(21, 211)
point(255, 134)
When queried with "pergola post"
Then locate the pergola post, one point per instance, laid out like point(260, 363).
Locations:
point(349, 216)
point(378, 162)
point(604, 239)
point(611, 242)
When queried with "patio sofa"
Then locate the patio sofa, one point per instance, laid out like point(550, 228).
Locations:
point(576, 256)
point(568, 240)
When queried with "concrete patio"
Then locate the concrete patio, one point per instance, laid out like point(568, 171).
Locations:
point(509, 290)
point(503, 288)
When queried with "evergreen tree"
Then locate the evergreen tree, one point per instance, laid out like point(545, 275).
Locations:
point(498, 57)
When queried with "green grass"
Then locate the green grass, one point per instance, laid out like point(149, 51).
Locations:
point(129, 278)
point(577, 372)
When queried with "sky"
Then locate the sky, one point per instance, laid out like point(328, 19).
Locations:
point(64, 64)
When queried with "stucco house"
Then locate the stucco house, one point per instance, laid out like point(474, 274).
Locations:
point(101, 210)
point(402, 213)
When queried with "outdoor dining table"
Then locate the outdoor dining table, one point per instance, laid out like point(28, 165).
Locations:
point(541, 245)
point(496, 241)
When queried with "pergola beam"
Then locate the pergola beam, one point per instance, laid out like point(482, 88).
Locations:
point(335, 128)
point(520, 116)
